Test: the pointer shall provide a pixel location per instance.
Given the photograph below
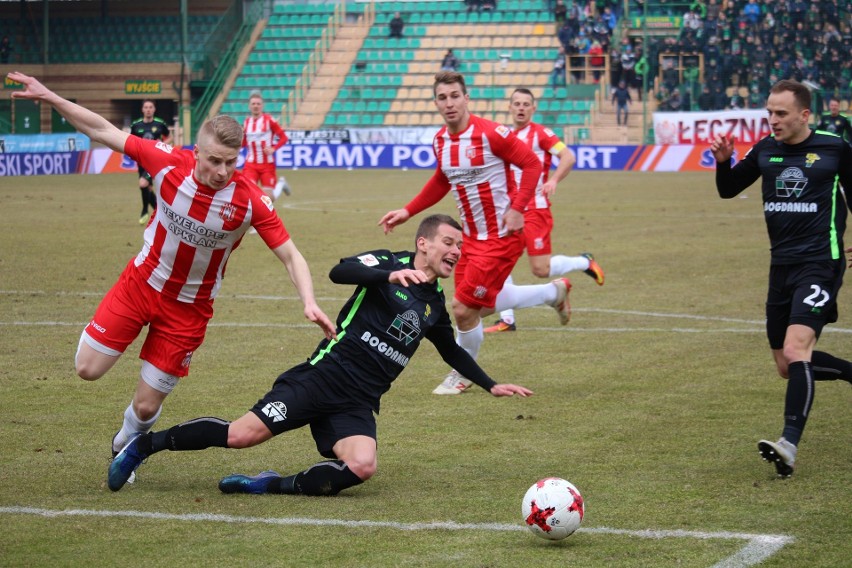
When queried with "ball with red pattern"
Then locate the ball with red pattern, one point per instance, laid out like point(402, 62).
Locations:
point(553, 508)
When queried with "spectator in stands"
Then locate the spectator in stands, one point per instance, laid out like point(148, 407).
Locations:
point(705, 99)
point(720, 99)
point(735, 102)
point(596, 59)
point(671, 76)
point(751, 11)
point(473, 5)
point(674, 101)
point(450, 61)
point(557, 75)
point(395, 25)
point(5, 49)
point(560, 13)
point(621, 99)
point(610, 19)
point(489, 5)
point(834, 122)
point(565, 35)
point(756, 100)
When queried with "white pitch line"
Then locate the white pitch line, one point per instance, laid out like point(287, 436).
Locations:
point(659, 315)
point(758, 547)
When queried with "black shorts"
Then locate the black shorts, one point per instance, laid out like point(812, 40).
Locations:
point(804, 294)
point(144, 174)
point(302, 396)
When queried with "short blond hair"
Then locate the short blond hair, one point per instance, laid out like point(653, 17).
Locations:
point(224, 130)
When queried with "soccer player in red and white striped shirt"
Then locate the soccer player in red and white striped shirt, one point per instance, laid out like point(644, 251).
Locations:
point(475, 158)
point(204, 209)
point(262, 136)
point(538, 221)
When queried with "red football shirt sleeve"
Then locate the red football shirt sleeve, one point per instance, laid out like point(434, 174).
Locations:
point(151, 155)
point(434, 190)
point(278, 131)
point(514, 151)
point(266, 221)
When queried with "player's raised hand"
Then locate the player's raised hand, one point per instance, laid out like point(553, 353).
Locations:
point(722, 148)
point(509, 390)
point(32, 88)
point(393, 218)
point(407, 276)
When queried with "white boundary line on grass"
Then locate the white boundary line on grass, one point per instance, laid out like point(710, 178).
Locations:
point(758, 547)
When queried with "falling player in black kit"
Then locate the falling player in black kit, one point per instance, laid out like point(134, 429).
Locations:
point(397, 303)
point(805, 213)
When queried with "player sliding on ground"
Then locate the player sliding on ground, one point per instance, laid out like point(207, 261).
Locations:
point(397, 303)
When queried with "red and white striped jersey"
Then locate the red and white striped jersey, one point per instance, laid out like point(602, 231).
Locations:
point(195, 228)
point(476, 165)
point(545, 144)
point(260, 133)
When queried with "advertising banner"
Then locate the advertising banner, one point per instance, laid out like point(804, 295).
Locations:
point(746, 126)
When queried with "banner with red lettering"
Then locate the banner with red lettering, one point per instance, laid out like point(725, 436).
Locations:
point(746, 126)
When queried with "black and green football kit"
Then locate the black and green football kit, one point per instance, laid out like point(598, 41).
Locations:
point(836, 125)
point(805, 212)
point(156, 129)
point(379, 329)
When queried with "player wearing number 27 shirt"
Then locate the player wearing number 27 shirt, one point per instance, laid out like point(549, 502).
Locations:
point(805, 212)
point(474, 161)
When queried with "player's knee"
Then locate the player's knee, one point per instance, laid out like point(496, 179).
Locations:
point(86, 370)
point(364, 467)
point(146, 409)
point(541, 271)
point(239, 438)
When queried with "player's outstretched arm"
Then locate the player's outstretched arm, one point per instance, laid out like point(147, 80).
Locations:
point(92, 125)
point(300, 275)
point(509, 390)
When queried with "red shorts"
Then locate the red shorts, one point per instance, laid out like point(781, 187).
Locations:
point(484, 267)
point(175, 329)
point(538, 224)
point(261, 174)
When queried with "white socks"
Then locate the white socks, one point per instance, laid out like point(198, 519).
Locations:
point(132, 424)
point(517, 297)
point(561, 264)
point(471, 340)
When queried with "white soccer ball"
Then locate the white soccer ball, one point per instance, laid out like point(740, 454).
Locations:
point(553, 508)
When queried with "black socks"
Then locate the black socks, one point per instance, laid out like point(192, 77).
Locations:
point(800, 397)
point(324, 478)
point(196, 434)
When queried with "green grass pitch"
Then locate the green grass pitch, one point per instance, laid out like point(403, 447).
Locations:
point(651, 400)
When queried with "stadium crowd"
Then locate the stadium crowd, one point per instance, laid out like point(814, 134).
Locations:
point(725, 48)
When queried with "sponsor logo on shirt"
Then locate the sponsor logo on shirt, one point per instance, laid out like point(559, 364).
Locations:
point(267, 201)
point(275, 410)
point(502, 131)
point(791, 182)
point(405, 327)
point(163, 147)
point(368, 260)
point(384, 349)
point(810, 159)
